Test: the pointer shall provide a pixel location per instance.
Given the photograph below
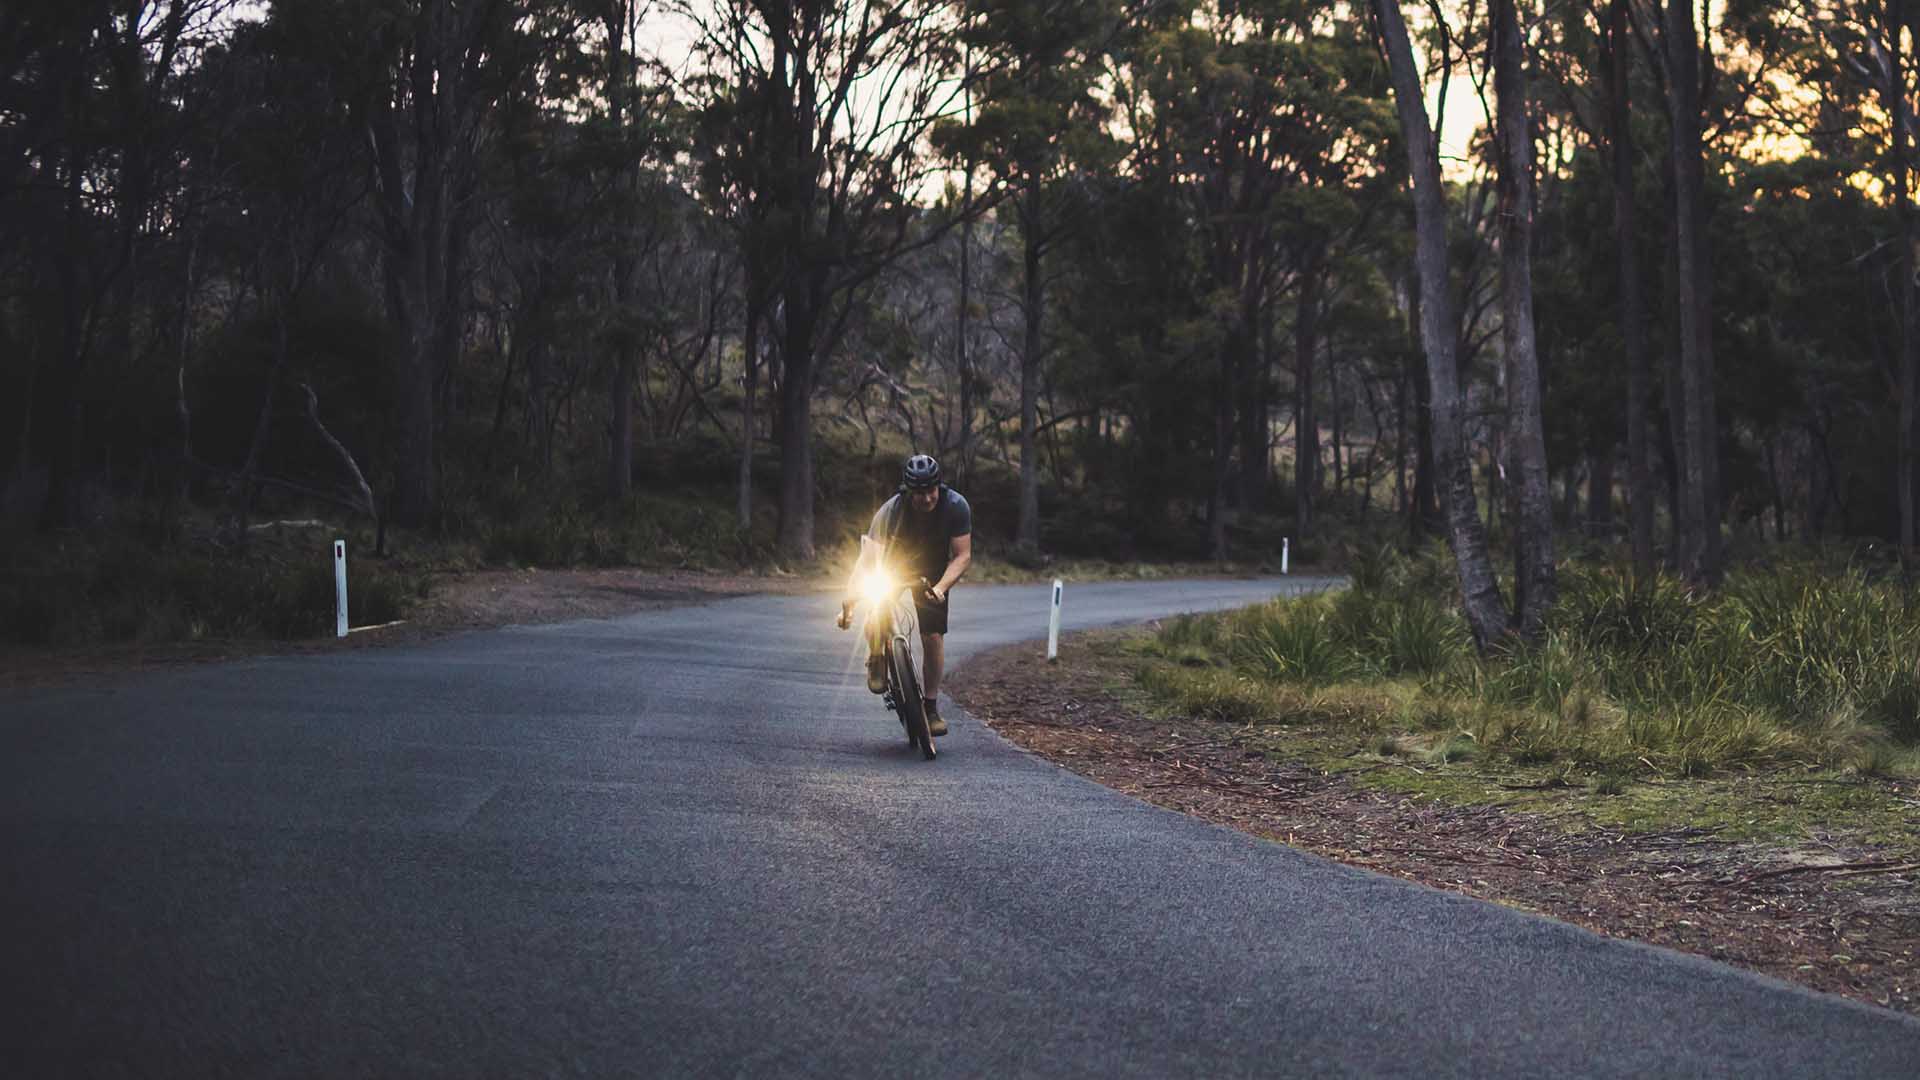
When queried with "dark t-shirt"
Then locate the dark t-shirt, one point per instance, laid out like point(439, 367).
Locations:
point(921, 542)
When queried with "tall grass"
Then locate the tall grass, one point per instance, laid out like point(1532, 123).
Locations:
point(1793, 663)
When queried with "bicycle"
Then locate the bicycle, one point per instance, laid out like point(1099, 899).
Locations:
point(894, 624)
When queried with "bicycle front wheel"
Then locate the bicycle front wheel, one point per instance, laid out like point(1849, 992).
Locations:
point(913, 708)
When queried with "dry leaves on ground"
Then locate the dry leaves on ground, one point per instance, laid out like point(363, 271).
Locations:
point(1838, 920)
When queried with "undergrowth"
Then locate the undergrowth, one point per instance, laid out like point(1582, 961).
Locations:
point(1792, 665)
point(117, 590)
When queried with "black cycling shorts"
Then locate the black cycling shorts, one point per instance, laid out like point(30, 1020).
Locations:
point(932, 616)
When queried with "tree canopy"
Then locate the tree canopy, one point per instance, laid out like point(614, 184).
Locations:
point(1176, 279)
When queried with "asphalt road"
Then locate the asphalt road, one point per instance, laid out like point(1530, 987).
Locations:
point(690, 843)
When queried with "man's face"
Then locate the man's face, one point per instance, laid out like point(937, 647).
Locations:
point(924, 501)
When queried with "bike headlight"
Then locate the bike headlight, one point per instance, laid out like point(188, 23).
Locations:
point(875, 586)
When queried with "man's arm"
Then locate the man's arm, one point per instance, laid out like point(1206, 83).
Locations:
point(959, 557)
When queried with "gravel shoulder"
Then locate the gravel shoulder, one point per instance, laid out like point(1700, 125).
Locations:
point(1827, 913)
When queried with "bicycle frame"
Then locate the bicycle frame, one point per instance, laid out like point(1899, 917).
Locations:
point(892, 625)
point(890, 607)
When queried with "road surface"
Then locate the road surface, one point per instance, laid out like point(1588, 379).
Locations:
point(690, 843)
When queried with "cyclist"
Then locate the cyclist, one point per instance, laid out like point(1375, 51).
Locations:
point(928, 529)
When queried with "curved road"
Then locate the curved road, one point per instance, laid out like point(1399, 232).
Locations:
point(690, 843)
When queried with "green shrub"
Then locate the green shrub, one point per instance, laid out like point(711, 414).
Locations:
point(1294, 642)
point(117, 591)
point(1423, 638)
point(1372, 568)
point(1896, 706)
point(1210, 695)
point(1608, 784)
point(1621, 613)
point(1459, 747)
point(1195, 631)
point(1356, 619)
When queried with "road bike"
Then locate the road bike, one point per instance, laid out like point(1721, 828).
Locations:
point(893, 633)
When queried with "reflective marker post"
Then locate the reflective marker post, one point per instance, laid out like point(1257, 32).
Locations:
point(1284, 541)
point(339, 588)
point(1053, 625)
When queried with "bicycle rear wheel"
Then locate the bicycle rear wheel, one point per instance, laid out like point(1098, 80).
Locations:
point(913, 708)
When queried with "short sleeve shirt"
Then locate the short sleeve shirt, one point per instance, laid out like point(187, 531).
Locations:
point(922, 542)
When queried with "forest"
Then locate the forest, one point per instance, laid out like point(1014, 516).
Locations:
point(616, 282)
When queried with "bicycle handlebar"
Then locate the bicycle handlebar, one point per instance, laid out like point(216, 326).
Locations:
point(923, 592)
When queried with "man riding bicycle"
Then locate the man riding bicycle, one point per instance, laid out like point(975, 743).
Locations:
point(926, 530)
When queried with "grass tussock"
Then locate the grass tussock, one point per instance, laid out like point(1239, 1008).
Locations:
point(1786, 666)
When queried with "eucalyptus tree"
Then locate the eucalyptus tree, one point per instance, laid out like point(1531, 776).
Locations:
point(421, 77)
point(846, 94)
point(1620, 141)
point(284, 182)
point(1533, 537)
point(1274, 114)
point(1859, 52)
point(620, 23)
point(1486, 609)
point(1038, 120)
point(1699, 540)
point(1135, 325)
point(87, 155)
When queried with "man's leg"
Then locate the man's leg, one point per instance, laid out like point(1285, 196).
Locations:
point(876, 662)
point(934, 648)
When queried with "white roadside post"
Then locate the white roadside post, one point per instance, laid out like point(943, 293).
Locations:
point(1053, 625)
point(339, 588)
point(1284, 541)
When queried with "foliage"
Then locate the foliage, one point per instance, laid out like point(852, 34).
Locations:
point(1790, 663)
point(126, 591)
point(512, 254)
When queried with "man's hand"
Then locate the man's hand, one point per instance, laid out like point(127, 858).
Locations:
point(938, 594)
point(845, 619)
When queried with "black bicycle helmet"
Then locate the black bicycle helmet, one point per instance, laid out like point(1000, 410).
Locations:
point(922, 472)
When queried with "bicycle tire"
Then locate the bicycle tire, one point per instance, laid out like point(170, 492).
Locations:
point(912, 705)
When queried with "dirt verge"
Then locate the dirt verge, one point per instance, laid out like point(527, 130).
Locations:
point(1828, 914)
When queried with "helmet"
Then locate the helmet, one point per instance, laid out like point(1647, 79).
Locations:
point(922, 472)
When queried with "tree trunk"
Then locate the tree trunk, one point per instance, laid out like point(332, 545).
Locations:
point(1526, 431)
point(412, 227)
point(250, 471)
point(796, 425)
point(1486, 610)
point(413, 392)
point(1400, 441)
point(1633, 334)
point(620, 395)
point(1306, 425)
point(1028, 538)
point(68, 376)
point(1224, 384)
point(1673, 400)
point(1339, 431)
point(960, 341)
point(1426, 519)
point(1700, 512)
point(1895, 102)
point(963, 362)
point(626, 361)
point(1255, 422)
point(1600, 493)
point(750, 379)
